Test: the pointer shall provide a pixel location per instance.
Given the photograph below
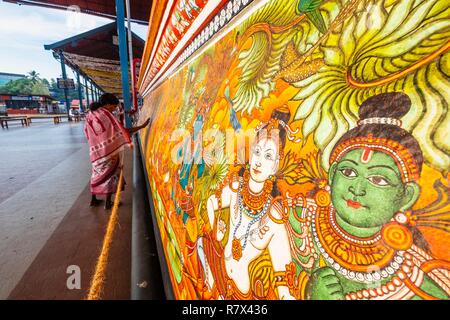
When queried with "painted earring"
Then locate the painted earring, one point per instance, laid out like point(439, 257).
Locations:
point(396, 234)
point(401, 218)
point(322, 198)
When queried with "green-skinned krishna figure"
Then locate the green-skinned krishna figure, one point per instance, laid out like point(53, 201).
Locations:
point(357, 238)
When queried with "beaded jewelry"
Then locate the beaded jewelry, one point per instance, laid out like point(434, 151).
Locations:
point(353, 257)
point(237, 246)
point(254, 202)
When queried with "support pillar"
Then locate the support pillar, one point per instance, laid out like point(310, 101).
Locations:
point(130, 53)
point(92, 92)
point(87, 91)
point(80, 94)
point(64, 75)
point(123, 53)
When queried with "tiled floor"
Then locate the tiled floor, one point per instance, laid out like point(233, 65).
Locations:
point(45, 222)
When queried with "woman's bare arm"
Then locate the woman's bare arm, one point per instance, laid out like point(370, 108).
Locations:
point(137, 128)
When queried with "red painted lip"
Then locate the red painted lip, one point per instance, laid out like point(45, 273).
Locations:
point(256, 171)
point(354, 204)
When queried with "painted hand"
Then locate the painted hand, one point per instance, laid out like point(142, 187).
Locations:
point(324, 285)
point(221, 229)
point(262, 231)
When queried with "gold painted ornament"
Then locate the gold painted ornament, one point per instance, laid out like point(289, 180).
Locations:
point(397, 236)
point(236, 249)
point(254, 203)
point(322, 198)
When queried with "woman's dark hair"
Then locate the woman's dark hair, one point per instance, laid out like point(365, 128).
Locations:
point(282, 114)
point(386, 105)
point(108, 98)
point(94, 106)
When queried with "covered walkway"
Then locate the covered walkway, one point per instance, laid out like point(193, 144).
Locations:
point(46, 224)
point(140, 9)
point(95, 56)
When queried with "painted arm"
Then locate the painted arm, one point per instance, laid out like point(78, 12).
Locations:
point(213, 205)
point(280, 253)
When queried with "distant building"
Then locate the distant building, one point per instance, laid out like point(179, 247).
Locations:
point(28, 103)
point(7, 77)
point(75, 104)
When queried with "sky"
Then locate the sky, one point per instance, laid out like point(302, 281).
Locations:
point(25, 29)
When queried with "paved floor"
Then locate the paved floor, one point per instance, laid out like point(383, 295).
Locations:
point(45, 222)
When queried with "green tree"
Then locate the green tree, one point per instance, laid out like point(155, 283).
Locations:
point(33, 76)
point(40, 88)
point(33, 84)
point(19, 86)
point(29, 85)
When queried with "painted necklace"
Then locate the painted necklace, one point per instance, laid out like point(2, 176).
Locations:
point(237, 246)
point(357, 259)
point(254, 203)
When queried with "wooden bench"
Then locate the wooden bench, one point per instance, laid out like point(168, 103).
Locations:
point(56, 118)
point(25, 121)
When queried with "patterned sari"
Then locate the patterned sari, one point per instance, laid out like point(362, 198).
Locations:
point(107, 138)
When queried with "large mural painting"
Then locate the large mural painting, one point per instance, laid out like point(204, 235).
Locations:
point(304, 154)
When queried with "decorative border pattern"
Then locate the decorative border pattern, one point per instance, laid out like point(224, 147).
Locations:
point(230, 10)
point(215, 25)
point(183, 14)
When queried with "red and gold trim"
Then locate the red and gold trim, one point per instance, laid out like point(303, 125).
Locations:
point(361, 257)
point(405, 161)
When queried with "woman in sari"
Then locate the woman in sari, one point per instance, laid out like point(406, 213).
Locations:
point(107, 138)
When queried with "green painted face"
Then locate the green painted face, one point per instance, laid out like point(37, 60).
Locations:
point(367, 194)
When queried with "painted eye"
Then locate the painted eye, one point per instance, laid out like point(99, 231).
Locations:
point(269, 156)
point(379, 181)
point(257, 152)
point(348, 172)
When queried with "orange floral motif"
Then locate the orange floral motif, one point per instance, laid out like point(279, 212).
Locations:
point(296, 284)
point(236, 249)
point(290, 274)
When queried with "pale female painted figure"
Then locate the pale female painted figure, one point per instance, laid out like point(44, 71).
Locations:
point(255, 222)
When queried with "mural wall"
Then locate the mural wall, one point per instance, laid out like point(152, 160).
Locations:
point(305, 154)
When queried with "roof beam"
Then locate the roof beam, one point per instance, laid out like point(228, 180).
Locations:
point(100, 8)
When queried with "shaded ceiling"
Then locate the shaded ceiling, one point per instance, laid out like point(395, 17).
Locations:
point(140, 9)
point(95, 54)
